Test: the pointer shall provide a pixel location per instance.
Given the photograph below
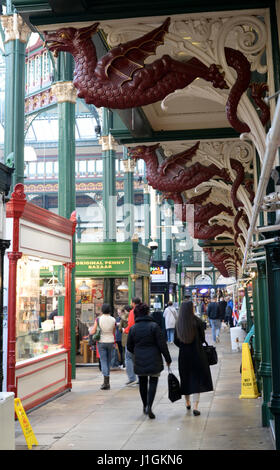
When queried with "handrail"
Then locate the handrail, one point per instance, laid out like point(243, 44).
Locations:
point(272, 143)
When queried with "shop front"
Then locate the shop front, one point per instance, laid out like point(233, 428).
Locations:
point(163, 284)
point(107, 272)
point(38, 346)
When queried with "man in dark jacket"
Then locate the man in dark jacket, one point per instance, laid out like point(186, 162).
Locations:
point(146, 341)
point(214, 319)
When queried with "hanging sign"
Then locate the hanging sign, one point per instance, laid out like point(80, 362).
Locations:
point(25, 424)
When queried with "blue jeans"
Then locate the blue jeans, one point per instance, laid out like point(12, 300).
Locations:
point(170, 335)
point(105, 353)
point(215, 326)
point(129, 364)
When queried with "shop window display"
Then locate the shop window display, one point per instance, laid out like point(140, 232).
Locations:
point(39, 328)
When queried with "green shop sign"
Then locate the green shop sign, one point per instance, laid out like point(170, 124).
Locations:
point(102, 266)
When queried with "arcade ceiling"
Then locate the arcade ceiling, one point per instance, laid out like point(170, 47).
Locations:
point(228, 124)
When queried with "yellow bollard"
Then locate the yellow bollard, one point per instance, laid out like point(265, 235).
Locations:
point(249, 387)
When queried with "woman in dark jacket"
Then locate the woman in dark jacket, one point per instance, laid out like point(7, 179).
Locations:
point(194, 370)
point(146, 341)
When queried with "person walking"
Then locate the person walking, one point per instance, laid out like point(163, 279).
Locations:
point(147, 343)
point(228, 312)
point(194, 371)
point(170, 316)
point(222, 308)
point(107, 325)
point(119, 337)
point(128, 356)
point(214, 319)
point(123, 324)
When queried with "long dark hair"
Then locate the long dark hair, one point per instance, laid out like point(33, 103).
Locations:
point(185, 326)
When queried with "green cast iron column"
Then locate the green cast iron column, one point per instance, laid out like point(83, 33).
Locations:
point(147, 214)
point(257, 343)
point(109, 178)
point(158, 253)
point(16, 36)
point(129, 166)
point(273, 283)
point(265, 366)
point(108, 193)
point(168, 228)
point(66, 95)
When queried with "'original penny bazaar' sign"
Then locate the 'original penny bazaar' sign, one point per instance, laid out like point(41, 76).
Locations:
point(103, 266)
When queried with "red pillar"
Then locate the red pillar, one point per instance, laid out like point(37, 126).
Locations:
point(12, 304)
point(15, 208)
point(67, 318)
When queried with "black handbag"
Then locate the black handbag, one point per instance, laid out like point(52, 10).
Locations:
point(211, 354)
point(174, 388)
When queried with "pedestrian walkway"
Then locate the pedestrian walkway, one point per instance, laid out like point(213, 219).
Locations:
point(88, 418)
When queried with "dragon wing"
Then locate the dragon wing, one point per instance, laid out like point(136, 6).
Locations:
point(122, 61)
point(176, 162)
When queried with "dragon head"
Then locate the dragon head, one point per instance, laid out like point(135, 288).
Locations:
point(68, 39)
point(143, 152)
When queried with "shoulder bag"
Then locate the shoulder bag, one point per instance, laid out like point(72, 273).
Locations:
point(174, 388)
point(211, 353)
point(97, 334)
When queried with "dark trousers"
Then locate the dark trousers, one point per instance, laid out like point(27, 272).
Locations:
point(147, 389)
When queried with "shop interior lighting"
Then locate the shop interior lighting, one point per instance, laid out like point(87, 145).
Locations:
point(123, 287)
point(84, 287)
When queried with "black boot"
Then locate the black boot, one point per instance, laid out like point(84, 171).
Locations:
point(106, 384)
point(150, 413)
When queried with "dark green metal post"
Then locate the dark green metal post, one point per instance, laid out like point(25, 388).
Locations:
point(66, 98)
point(273, 283)
point(158, 252)
point(147, 214)
point(109, 193)
point(129, 166)
point(257, 342)
point(168, 229)
point(15, 94)
point(265, 365)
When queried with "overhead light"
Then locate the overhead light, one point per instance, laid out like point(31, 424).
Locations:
point(123, 287)
point(203, 291)
point(84, 286)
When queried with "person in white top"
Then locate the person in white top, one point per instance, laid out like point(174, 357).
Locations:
point(107, 325)
point(170, 315)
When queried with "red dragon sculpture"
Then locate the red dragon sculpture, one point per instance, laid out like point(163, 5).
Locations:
point(121, 79)
point(207, 232)
point(171, 175)
point(191, 211)
point(218, 259)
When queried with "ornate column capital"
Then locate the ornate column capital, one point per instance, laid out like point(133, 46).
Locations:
point(108, 142)
point(15, 28)
point(65, 92)
point(129, 165)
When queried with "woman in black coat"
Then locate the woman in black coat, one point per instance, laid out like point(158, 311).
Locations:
point(194, 370)
point(146, 341)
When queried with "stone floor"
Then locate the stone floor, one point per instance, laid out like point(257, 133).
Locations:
point(88, 418)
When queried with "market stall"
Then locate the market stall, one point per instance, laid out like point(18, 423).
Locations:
point(108, 272)
point(38, 365)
